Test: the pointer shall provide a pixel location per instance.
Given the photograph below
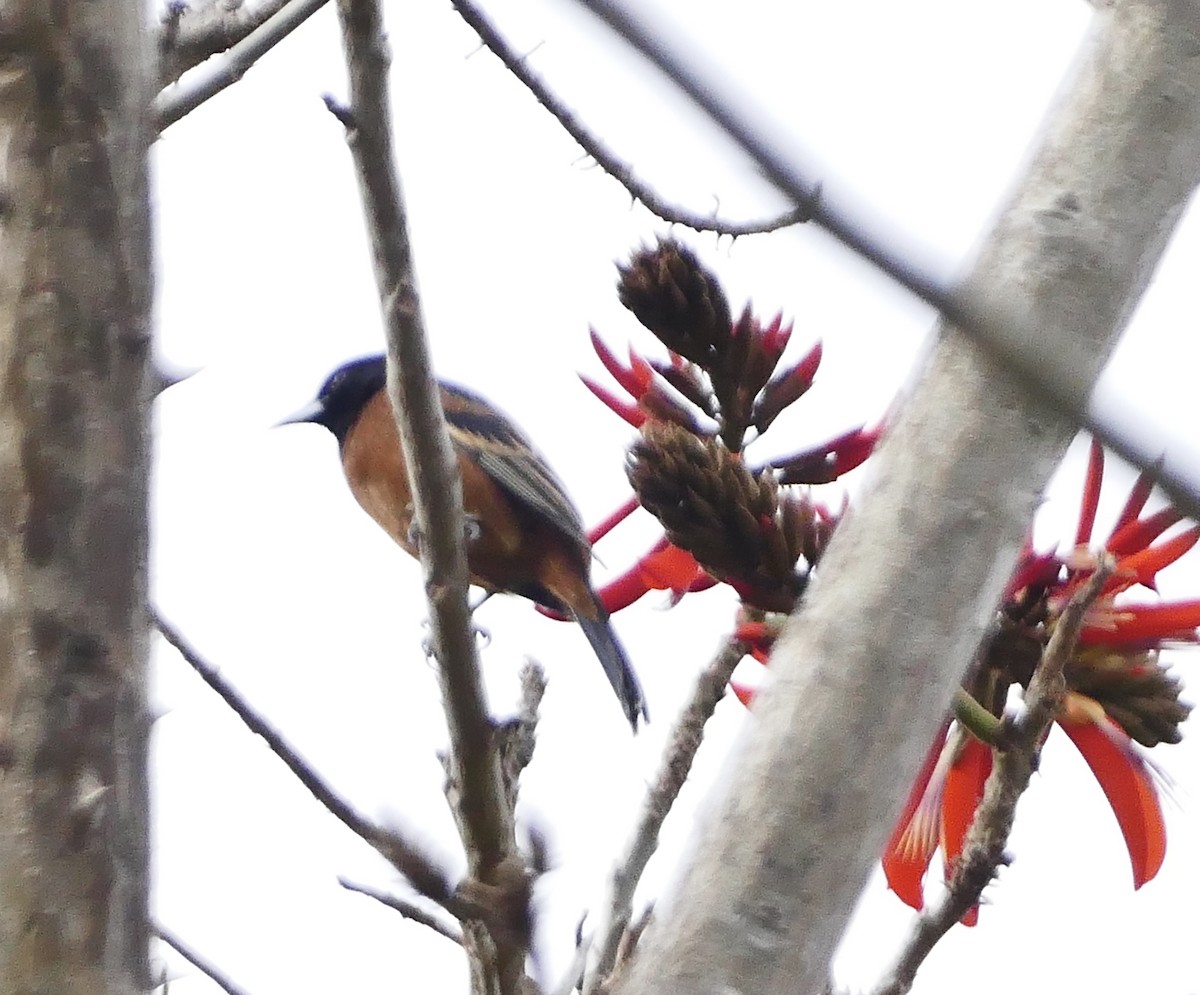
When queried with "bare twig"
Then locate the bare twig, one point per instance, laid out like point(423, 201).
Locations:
point(484, 818)
point(1053, 376)
point(685, 741)
point(180, 99)
point(604, 157)
point(518, 738)
point(632, 937)
point(198, 961)
point(1015, 761)
point(408, 909)
point(406, 857)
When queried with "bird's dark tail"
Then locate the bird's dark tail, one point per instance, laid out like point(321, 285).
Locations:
point(616, 665)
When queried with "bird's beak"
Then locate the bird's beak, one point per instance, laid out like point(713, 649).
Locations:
point(311, 412)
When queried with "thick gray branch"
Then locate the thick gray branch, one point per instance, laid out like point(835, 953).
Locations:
point(74, 406)
point(864, 674)
point(180, 99)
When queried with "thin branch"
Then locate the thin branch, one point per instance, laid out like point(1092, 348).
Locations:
point(485, 821)
point(604, 157)
point(1053, 377)
point(681, 751)
point(198, 961)
point(180, 99)
point(190, 33)
point(1015, 761)
point(519, 737)
point(407, 909)
point(406, 857)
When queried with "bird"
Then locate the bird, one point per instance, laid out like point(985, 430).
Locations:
point(524, 534)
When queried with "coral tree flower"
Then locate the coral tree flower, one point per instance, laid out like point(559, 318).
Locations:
point(722, 385)
point(1118, 692)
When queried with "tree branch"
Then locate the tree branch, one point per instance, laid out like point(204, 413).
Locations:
point(604, 157)
point(199, 962)
point(406, 857)
point(179, 99)
point(407, 909)
point(1015, 762)
point(863, 674)
point(485, 820)
point(677, 761)
point(190, 33)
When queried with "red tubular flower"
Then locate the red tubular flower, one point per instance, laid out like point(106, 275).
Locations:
point(1129, 788)
point(1116, 663)
point(664, 568)
point(828, 461)
point(631, 413)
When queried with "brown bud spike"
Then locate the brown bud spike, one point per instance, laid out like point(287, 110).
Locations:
point(710, 504)
point(1137, 692)
point(678, 300)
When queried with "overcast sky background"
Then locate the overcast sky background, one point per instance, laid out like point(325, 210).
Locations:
point(919, 115)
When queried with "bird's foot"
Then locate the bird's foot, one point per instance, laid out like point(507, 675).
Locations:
point(472, 530)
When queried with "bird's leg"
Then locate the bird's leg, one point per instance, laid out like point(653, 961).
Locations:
point(472, 528)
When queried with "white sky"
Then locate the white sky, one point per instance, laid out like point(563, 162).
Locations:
point(919, 113)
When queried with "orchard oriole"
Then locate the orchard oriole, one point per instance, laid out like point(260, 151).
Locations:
point(527, 538)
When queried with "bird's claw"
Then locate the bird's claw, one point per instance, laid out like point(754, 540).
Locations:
point(472, 529)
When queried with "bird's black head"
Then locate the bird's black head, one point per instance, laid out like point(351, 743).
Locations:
point(343, 396)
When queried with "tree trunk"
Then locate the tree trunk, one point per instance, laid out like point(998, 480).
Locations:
point(864, 672)
point(74, 404)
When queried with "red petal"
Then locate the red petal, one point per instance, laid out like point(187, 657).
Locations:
point(1035, 568)
point(630, 412)
point(743, 693)
point(641, 375)
point(601, 529)
point(781, 335)
point(669, 567)
point(964, 789)
point(1091, 494)
point(1138, 535)
point(1144, 565)
point(1147, 623)
point(824, 463)
point(622, 591)
point(1136, 502)
point(1130, 792)
point(619, 372)
point(807, 367)
point(665, 567)
point(753, 632)
point(903, 865)
point(855, 452)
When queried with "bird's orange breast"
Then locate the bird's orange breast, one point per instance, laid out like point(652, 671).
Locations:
point(512, 549)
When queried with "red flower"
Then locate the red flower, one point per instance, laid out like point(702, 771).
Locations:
point(681, 392)
point(1118, 692)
